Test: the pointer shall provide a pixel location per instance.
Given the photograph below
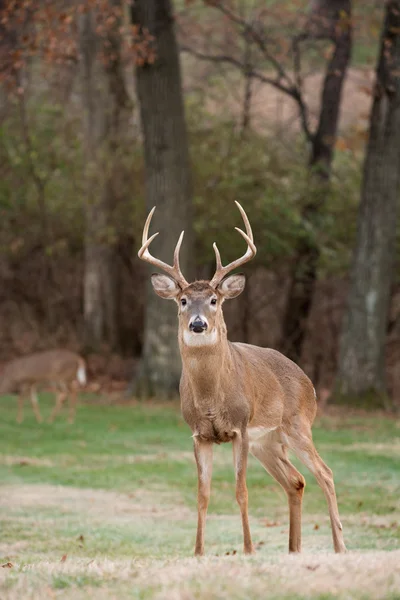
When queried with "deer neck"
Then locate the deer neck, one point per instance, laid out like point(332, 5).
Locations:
point(204, 364)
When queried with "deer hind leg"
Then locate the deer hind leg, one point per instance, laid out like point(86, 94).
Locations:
point(272, 454)
point(203, 452)
point(300, 441)
point(20, 413)
point(60, 398)
point(73, 392)
point(240, 445)
point(35, 404)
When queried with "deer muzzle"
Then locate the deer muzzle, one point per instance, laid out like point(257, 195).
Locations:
point(198, 325)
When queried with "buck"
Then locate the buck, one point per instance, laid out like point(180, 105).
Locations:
point(253, 397)
point(65, 369)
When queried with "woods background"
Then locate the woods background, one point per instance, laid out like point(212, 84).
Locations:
point(108, 108)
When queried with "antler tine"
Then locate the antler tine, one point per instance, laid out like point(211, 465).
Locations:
point(245, 220)
point(146, 227)
point(177, 250)
point(251, 251)
point(217, 256)
point(145, 255)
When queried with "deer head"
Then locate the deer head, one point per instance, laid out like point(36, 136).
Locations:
point(200, 302)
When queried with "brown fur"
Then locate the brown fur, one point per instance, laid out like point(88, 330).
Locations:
point(254, 397)
point(57, 367)
point(228, 388)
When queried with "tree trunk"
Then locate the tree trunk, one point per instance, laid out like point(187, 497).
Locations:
point(167, 186)
point(361, 369)
point(105, 108)
point(334, 21)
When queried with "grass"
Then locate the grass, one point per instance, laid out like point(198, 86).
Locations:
point(106, 508)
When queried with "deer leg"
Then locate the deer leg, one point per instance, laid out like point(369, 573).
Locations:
point(272, 454)
point(60, 397)
point(20, 413)
point(72, 405)
point(203, 452)
point(35, 405)
point(240, 446)
point(304, 448)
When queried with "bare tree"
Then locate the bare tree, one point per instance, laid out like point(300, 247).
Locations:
point(167, 186)
point(362, 351)
point(328, 20)
point(105, 105)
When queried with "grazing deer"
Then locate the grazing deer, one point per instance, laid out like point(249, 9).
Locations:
point(63, 368)
point(254, 397)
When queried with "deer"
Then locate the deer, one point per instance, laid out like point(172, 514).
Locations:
point(63, 368)
point(252, 397)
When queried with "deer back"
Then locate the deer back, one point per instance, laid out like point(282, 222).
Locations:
point(48, 366)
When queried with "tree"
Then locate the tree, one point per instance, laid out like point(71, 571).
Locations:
point(361, 370)
point(168, 186)
point(89, 35)
point(328, 20)
point(105, 111)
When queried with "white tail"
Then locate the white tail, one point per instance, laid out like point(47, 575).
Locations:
point(81, 374)
point(254, 397)
point(61, 368)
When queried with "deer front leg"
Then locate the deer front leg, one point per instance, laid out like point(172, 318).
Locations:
point(240, 446)
point(35, 405)
point(203, 452)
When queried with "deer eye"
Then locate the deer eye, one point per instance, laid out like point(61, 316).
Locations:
point(183, 301)
point(213, 301)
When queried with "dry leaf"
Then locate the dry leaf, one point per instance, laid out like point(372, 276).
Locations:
point(316, 527)
point(63, 558)
point(271, 523)
point(7, 565)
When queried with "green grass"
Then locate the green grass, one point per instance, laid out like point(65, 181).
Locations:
point(116, 494)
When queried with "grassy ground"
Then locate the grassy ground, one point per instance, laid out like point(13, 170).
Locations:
point(106, 508)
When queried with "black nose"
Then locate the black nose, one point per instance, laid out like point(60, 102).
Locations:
point(198, 326)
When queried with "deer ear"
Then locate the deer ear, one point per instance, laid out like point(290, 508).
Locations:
point(232, 286)
point(165, 286)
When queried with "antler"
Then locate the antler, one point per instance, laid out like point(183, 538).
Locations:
point(251, 251)
point(144, 254)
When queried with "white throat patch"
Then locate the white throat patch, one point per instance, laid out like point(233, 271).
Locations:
point(200, 339)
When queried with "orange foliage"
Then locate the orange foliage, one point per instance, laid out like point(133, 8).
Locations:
point(49, 29)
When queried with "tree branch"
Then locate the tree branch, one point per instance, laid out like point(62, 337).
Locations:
point(290, 90)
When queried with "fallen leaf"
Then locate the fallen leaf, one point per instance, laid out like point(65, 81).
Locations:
point(316, 527)
point(63, 558)
point(81, 539)
point(7, 565)
point(271, 523)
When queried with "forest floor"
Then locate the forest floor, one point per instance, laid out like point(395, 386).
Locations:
point(106, 508)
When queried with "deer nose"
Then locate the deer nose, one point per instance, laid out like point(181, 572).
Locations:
point(198, 325)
